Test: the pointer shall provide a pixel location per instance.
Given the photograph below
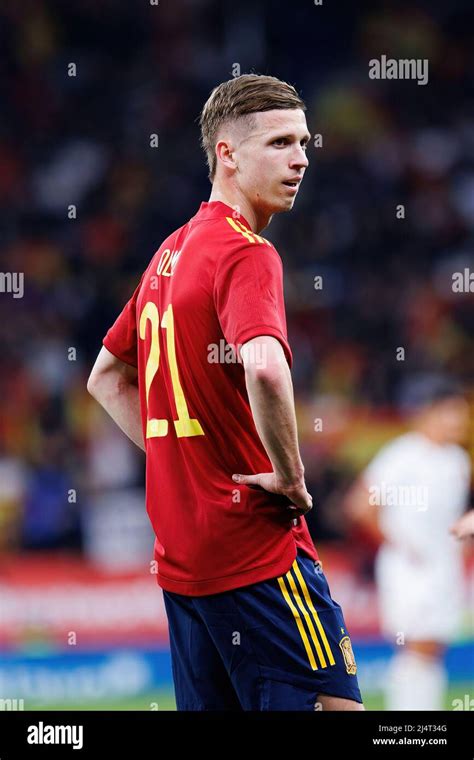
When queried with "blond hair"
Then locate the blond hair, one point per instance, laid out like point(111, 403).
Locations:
point(239, 98)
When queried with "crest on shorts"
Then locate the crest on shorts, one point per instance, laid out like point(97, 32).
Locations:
point(348, 654)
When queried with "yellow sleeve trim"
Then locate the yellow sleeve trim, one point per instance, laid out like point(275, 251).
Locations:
point(252, 237)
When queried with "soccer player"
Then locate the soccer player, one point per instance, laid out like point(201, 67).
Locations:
point(407, 500)
point(196, 371)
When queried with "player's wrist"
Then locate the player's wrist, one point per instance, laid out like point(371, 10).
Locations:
point(291, 481)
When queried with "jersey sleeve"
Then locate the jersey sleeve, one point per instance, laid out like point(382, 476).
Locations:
point(248, 295)
point(121, 338)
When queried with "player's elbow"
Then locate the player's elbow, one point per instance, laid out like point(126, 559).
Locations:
point(101, 383)
point(110, 376)
point(272, 377)
point(105, 387)
point(93, 384)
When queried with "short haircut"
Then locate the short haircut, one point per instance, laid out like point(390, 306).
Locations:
point(239, 98)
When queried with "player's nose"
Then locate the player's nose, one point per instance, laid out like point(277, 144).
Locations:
point(299, 159)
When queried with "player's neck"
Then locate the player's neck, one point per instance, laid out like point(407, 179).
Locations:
point(432, 433)
point(257, 222)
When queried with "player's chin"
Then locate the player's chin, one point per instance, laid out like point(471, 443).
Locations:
point(279, 202)
point(288, 203)
point(285, 202)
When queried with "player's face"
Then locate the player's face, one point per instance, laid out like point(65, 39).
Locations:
point(452, 419)
point(271, 159)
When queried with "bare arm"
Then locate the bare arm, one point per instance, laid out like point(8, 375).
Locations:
point(270, 392)
point(114, 385)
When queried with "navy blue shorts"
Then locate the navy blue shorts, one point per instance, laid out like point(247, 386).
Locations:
point(273, 645)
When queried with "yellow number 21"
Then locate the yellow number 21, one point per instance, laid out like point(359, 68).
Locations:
point(185, 426)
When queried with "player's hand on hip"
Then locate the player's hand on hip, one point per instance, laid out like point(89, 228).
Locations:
point(302, 501)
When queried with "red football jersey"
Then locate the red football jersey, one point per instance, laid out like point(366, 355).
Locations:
point(212, 285)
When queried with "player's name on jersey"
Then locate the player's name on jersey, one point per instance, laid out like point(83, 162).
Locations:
point(166, 266)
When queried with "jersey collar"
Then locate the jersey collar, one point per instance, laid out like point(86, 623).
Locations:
point(216, 209)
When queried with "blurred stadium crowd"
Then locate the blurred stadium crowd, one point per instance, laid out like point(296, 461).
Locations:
point(84, 141)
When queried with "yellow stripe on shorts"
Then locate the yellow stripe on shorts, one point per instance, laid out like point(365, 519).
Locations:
point(299, 623)
point(307, 618)
point(315, 615)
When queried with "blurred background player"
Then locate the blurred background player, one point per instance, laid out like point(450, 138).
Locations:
point(407, 500)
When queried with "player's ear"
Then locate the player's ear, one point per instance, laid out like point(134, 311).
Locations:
point(225, 153)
